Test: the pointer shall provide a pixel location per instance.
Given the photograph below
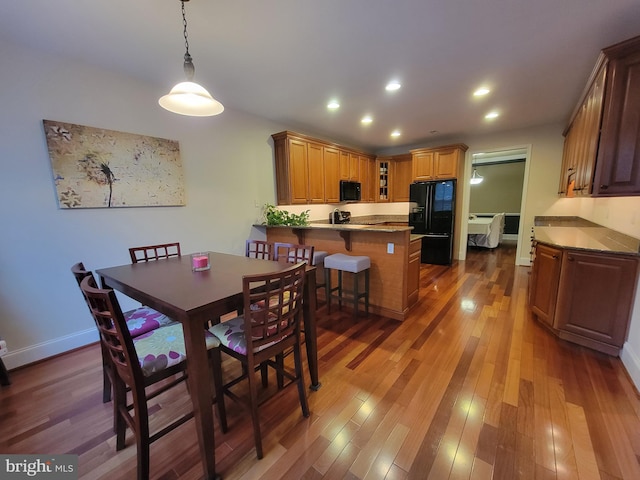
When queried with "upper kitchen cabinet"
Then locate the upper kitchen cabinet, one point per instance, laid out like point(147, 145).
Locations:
point(401, 177)
point(309, 170)
point(331, 174)
point(602, 142)
point(439, 163)
point(299, 170)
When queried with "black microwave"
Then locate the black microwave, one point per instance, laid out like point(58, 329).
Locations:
point(350, 191)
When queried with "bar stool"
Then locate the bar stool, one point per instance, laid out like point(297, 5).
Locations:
point(347, 263)
point(318, 262)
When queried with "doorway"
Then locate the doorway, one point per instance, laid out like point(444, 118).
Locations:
point(499, 186)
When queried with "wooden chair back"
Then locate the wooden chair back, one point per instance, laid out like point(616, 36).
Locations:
point(112, 326)
point(273, 308)
point(154, 252)
point(293, 253)
point(259, 249)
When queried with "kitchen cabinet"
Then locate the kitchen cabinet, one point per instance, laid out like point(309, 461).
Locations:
point(545, 277)
point(440, 163)
point(331, 174)
point(581, 141)
point(602, 142)
point(401, 177)
point(384, 168)
point(584, 297)
point(368, 178)
point(309, 170)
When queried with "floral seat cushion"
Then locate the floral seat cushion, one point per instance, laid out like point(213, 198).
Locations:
point(164, 347)
point(144, 319)
point(231, 335)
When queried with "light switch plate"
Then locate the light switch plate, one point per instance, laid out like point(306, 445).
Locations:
point(390, 247)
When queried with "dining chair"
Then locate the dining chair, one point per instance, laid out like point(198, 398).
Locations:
point(259, 249)
point(292, 252)
point(141, 363)
point(270, 325)
point(154, 252)
point(139, 321)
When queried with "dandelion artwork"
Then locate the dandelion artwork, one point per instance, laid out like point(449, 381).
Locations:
point(97, 168)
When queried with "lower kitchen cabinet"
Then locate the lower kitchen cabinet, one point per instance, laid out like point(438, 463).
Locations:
point(545, 276)
point(584, 297)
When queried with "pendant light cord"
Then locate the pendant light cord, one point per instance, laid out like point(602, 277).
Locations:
point(189, 68)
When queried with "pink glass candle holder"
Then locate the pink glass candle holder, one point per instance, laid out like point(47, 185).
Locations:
point(200, 261)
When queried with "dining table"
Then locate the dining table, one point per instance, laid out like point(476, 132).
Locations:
point(479, 226)
point(196, 299)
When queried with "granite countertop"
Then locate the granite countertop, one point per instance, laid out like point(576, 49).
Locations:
point(369, 223)
point(581, 234)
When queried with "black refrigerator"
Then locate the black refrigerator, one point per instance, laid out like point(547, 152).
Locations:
point(431, 213)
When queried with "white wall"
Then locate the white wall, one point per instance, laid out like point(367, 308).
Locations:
point(228, 166)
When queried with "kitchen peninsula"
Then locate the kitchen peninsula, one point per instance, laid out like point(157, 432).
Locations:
point(394, 252)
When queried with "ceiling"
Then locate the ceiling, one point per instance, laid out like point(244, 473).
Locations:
point(285, 59)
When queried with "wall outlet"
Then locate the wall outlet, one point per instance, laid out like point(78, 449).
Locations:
point(390, 247)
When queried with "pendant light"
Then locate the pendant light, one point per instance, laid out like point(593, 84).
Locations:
point(189, 98)
point(475, 178)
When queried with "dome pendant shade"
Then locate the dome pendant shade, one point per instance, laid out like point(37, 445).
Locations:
point(189, 98)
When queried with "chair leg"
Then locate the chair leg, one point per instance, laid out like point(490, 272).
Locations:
point(253, 391)
point(119, 409)
point(356, 295)
point(142, 442)
point(302, 393)
point(4, 374)
point(339, 289)
point(106, 380)
point(327, 287)
point(366, 291)
point(216, 366)
point(279, 369)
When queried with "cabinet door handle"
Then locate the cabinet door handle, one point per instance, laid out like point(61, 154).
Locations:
point(570, 258)
point(604, 187)
point(555, 257)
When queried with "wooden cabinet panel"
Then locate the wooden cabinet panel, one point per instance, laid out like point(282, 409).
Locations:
point(298, 171)
point(439, 163)
point(545, 278)
point(345, 165)
point(315, 172)
point(332, 174)
point(619, 154)
point(596, 296)
point(423, 166)
point(413, 272)
point(401, 178)
point(354, 167)
point(581, 141)
point(445, 163)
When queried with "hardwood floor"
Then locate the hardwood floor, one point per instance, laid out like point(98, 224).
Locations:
point(469, 386)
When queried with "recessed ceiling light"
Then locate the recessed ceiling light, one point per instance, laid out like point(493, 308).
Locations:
point(333, 105)
point(481, 91)
point(491, 115)
point(395, 133)
point(392, 86)
point(366, 120)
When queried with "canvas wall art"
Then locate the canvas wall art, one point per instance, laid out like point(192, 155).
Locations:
point(98, 168)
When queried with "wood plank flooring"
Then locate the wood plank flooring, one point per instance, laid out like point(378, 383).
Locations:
point(470, 386)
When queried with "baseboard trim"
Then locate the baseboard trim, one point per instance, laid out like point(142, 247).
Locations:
point(56, 346)
point(631, 361)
